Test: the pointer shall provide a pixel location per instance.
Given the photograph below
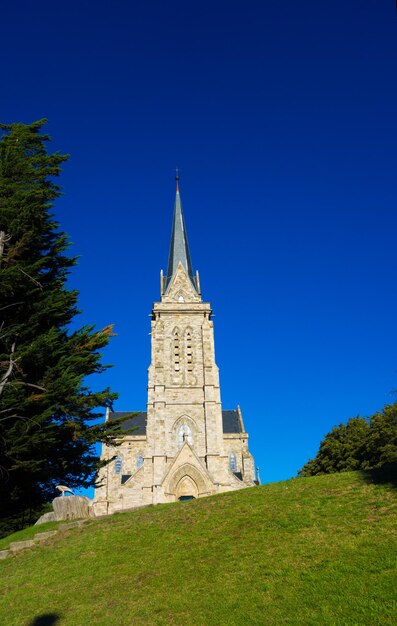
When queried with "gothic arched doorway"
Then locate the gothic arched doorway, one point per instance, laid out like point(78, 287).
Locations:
point(186, 489)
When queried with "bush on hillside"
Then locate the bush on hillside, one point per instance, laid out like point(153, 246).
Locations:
point(360, 444)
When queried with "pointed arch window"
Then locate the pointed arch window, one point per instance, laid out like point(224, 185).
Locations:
point(118, 465)
point(139, 461)
point(176, 351)
point(232, 462)
point(189, 352)
point(184, 434)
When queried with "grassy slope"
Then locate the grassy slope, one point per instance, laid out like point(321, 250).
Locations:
point(312, 551)
point(27, 533)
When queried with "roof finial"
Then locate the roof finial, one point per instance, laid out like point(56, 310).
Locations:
point(177, 178)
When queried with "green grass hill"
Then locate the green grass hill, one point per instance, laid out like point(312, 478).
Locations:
point(311, 551)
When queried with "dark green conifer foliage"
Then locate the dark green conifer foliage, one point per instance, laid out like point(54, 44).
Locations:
point(360, 444)
point(46, 430)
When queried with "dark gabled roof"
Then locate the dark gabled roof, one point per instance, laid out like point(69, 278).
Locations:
point(231, 421)
point(139, 420)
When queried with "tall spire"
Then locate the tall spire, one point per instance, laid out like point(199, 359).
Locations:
point(179, 249)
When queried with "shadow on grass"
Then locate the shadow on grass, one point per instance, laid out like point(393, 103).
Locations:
point(386, 475)
point(47, 619)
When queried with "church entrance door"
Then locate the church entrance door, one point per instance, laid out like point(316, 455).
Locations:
point(186, 489)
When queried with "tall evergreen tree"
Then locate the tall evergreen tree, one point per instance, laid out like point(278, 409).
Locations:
point(46, 410)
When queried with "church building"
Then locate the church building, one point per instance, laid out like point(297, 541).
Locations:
point(185, 445)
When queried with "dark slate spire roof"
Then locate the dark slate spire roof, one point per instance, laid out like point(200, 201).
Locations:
point(179, 249)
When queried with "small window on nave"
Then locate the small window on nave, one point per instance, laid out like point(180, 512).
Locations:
point(184, 434)
point(118, 464)
point(232, 462)
point(139, 461)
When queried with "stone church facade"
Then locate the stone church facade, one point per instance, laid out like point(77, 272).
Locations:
point(185, 445)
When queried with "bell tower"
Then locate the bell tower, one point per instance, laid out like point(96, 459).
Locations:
point(184, 403)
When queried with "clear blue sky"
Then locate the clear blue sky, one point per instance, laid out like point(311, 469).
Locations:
point(282, 118)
